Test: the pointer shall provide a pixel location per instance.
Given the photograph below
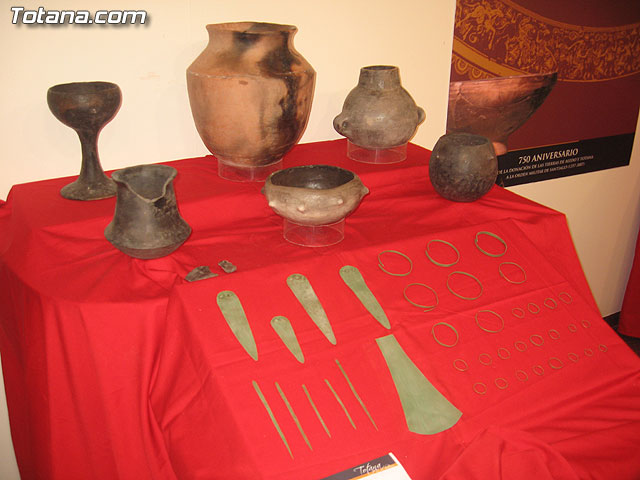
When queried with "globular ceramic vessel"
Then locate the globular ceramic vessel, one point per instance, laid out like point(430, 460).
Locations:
point(496, 107)
point(146, 223)
point(86, 107)
point(314, 194)
point(379, 113)
point(463, 167)
point(250, 92)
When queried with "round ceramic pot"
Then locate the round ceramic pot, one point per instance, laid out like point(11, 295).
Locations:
point(378, 113)
point(314, 194)
point(250, 92)
point(463, 167)
point(146, 223)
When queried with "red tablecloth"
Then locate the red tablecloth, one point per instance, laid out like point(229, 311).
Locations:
point(567, 409)
point(630, 312)
point(118, 368)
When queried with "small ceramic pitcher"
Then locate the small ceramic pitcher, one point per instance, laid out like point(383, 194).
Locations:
point(146, 223)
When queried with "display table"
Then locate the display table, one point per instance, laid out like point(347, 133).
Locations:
point(118, 368)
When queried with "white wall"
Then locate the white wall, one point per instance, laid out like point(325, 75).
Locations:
point(336, 36)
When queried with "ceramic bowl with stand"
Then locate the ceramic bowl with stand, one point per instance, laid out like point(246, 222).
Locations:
point(314, 201)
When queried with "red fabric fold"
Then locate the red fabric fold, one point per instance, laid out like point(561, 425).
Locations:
point(630, 312)
point(500, 453)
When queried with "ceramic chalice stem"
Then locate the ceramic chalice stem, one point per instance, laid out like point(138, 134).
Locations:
point(86, 107)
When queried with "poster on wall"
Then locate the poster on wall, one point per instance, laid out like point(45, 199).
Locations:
point(554, 85)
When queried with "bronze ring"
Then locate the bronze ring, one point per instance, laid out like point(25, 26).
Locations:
point(526, 377)
point(479, 384)
point(427, 308)
point(508, 355)
point(549, 306)
point(519, 343)
point(518, 309)
point(381, 265)
point(468, 275)
point(483, 363)
point(554, 334)
point(535, 335)
point(493, 235)
point(559, 364)
point(433, 332)
point(464, 368)
point(507, 278)
point(541, 370)
point(530, 304)
point(438, 263)
point(486, 329)
point(573, 357)
point(503, 385)
point(568, 300)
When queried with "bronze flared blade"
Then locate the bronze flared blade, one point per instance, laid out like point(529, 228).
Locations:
point(426, 410)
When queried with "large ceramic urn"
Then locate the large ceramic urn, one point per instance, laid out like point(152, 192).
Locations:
point(250, 93)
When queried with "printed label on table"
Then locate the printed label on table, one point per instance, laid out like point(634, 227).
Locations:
point(384, 468)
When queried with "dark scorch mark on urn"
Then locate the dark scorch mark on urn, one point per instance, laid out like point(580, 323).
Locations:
point(243, 41)
point(278, 64)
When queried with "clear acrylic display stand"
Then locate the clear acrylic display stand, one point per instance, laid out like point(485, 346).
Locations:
point(380, 155)
point(236, 173)
point(314, 235)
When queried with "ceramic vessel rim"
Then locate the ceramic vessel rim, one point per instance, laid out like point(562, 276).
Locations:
point(380, 68)
point(102, 87)
point(170, 171)
point(354, 177)
point(242, 27)
point(550, 77)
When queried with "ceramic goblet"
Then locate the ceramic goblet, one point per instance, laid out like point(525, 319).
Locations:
point(86, 107)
